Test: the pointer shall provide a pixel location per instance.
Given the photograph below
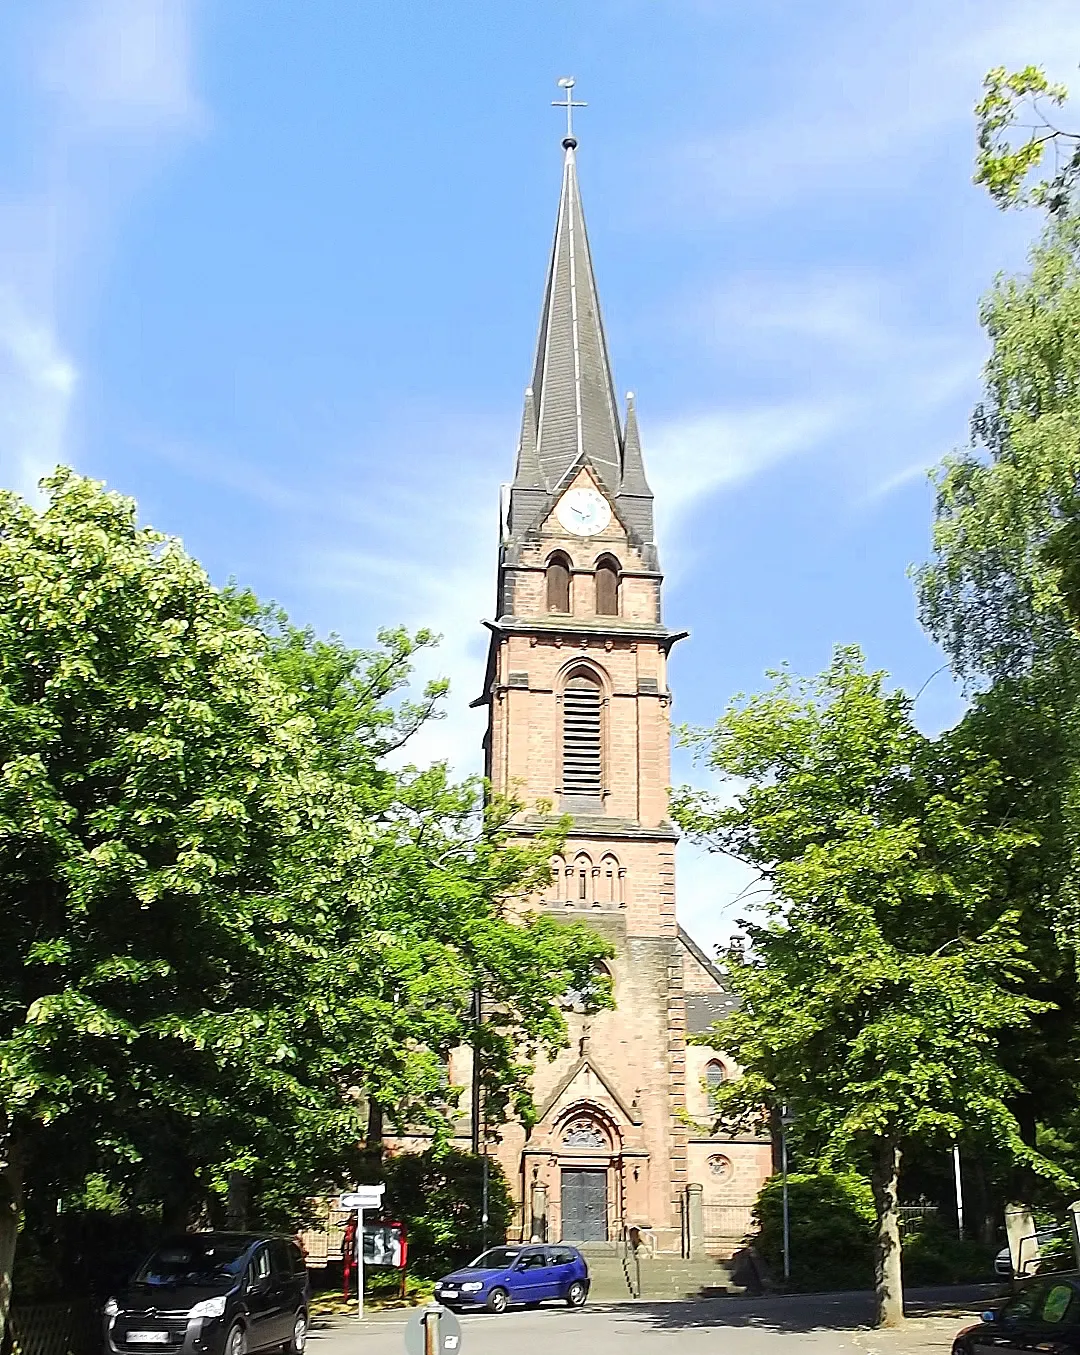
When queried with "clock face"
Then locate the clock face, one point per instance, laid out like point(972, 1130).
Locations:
point(583, 511)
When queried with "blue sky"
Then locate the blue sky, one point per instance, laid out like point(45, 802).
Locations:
point(274, 268)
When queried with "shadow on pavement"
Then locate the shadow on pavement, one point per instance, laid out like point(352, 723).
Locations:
point(797, 1312)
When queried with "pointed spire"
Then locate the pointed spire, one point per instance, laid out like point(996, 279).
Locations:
point(635, 501)
point(529, 490)
point(527, 471)
point(633, 466)
point(575, 395)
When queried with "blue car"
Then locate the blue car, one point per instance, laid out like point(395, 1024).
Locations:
point(517, 1274)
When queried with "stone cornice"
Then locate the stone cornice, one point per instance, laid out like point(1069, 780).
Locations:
point(594, 826)
point(576, 627)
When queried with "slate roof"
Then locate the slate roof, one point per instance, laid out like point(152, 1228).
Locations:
point(702, 1009)
point(572, 382)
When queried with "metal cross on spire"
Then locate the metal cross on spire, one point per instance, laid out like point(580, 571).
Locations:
point(569, 103)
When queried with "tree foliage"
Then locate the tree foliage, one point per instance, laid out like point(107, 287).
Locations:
point(440, 1195)
point(993, 596)
point(831, 1227)
point(1002, 592)
point(1025, 101)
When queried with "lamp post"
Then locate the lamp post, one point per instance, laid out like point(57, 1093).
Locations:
point(958, 1182)
point(479, 1110)
point(786, 1121)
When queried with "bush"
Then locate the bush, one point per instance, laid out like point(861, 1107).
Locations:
point(83, 1252)
point(832, 1226)
point(438, 1198)
point(933, 1254)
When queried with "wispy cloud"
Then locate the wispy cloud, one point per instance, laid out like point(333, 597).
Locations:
point(122, 69)
point(36, 384)
point(889, 96)
point(918, 470)
point(695, 456)
point(860, 376)
point(113, 80)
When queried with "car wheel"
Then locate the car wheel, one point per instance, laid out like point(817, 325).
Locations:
point(497, 1301)
point(236, 1341)
point(576, 1294)
point(298, 1340)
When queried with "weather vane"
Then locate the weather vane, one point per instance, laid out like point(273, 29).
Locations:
point(569, 103)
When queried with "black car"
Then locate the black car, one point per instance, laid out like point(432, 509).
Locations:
point(213, 1294)
point(1044, 1315)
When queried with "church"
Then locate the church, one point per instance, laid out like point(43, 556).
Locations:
point(579, 707)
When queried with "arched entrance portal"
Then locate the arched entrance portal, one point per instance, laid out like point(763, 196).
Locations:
point(589, 1153)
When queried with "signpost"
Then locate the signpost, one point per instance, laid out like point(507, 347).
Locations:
point(364, 1197)
point(786, 1121)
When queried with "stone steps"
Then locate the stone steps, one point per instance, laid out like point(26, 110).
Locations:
point(662, 1276)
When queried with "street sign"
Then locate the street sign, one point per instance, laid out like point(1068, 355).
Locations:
point(363, 1197)
point(445, 1339)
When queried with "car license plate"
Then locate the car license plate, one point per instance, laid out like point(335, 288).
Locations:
point(449, 1293)
point(148, 1338)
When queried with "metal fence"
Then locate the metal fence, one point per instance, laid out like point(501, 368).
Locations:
point(915, 1216)
point(54, 1329)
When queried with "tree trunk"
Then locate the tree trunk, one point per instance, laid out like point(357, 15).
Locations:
point(238, 1206)
point(374, 1141)
point(11, 1202)
point(888, 1281)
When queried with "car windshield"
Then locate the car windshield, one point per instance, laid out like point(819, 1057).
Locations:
point(194, 1261)
point(498, 1258)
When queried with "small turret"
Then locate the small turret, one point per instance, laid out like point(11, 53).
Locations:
point(635, 501)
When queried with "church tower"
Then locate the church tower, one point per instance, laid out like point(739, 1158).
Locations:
point(579, 721)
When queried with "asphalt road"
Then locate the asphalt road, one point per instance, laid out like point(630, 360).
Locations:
point(724, 1326)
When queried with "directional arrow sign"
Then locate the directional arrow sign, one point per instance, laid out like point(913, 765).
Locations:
point(364, 1197)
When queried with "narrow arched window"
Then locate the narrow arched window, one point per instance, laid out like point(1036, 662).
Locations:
point(558, 584)
point(607, 586)
point(581, 771)
point(715, 1074)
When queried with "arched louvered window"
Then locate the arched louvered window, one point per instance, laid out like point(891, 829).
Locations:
point(583, 870)
point(607, 586)
point(558, 584)
point(582, 774)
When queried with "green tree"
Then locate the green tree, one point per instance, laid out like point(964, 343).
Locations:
point(226, 928)
point(889, 967)
point(438, 877)
point(1001, 593)
point(150, 763)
